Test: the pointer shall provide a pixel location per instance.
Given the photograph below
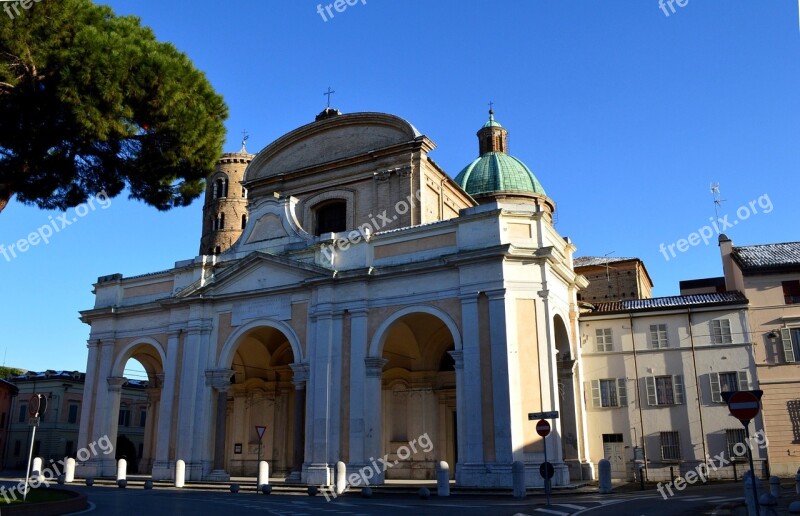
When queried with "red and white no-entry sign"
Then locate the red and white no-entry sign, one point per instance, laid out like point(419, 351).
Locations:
point(743, 405)
point(543, 428)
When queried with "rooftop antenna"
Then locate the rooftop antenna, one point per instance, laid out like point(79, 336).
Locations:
point(245, 136)
point(717, 200)
point(608, 275)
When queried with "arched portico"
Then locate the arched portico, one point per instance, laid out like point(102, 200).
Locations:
point(567, 389)
point(414, 370)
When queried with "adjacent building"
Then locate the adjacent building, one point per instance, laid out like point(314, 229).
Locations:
point(8, 392)
point(613, 279)
point(57, 434)
point(655, 370)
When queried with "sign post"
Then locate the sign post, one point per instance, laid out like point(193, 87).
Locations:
point(36, 407)
point(543, 429)
point(744, 406)
point(260, 431)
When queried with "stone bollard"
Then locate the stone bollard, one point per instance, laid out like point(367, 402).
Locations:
point(69, 471)
point(89, 482)
point(775, 486)
point(266, 489)
point(341, 478)
point(36, 470)
point(263, 474)
point(424, 493)
point(749, 497)
point(768, 505)
point(794, 508)
point(122, 483)
point(180, 474)
point(235, 488)
point(122, 470)
point(366, 492)
point(518, 479)
point(442, 478)
point(60, 479)
point(604, 469)
point(148, 484)
point(313, 490)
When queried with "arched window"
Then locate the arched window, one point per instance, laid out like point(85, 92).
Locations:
point(217, 250)
point(220, 188)
point(331, 217)
point(244, 193)
point(244, 221)
point(221, 221)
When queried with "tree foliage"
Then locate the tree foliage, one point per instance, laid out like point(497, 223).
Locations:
point(7, 372)
point(90, 101)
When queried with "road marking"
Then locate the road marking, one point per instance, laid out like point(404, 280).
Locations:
point(570, 506)
point(548, 511)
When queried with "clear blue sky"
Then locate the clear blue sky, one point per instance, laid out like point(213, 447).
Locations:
point(625, 115)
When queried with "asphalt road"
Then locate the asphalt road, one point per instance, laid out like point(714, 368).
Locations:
point(113, 501)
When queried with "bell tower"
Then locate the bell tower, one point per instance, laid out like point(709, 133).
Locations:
point(225, 207)
point(492, 137)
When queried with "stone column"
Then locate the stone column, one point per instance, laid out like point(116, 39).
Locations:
point(162, 468)
point(151, 422)
point(320, 385)
point(299, 378)
point(504, 449)
point(469, 392)
point(88, 394)
point(373, 392)
point(461, 424)
point(115, 383)
point(220, 380)
point(358, 390)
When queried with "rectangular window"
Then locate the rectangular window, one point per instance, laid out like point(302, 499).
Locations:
point(721, 331)
point(734, 436)
point(604, 339)
point(124, 417)
point(37, 445)
point(791, 344)
point(658, 336)
point(72, 415)
point(728, 381)
point(142, 418)
point(68, 449)
point(3, 420)
point(17, 448)
point(670, 446)
point(664, 390)
point(791, 292)
point(23, 413)
point(609, 393)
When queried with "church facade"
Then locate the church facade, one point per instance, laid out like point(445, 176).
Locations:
point(353, 299)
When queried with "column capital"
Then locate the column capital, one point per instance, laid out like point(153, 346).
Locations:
point(358, 312)
point(375, 366)
point(219, 379)
point(115, 383)
point(496, 294)
point(458, 356)
point(299, 375)
point(470, 298)
point(92, 343)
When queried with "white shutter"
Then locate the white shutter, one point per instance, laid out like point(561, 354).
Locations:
point(596, 394)
point(622, 392)
point(650, 382)
point(715, 389)
point(677, 389)
point(744, 382)
point(788, 349)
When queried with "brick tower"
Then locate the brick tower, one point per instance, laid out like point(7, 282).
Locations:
point(225, 208)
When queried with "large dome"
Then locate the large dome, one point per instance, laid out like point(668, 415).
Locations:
point(498, 172)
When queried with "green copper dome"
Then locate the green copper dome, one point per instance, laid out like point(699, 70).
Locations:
point(498, 172)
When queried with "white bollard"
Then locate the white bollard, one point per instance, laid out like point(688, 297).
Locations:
point(341, 478)
point(180, 474)
point(69, 471)
point(442, 478)
point(263, 474)
point(122, 470)
point(518, 477)
point(36, 470)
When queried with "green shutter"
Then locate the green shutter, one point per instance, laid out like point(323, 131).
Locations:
point(677, 388)
point(622, 392)
point(596, 394)
point(650, 382)
point(716, 397)
point(788, 349)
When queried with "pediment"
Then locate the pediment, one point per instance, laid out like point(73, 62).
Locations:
point(261, 271)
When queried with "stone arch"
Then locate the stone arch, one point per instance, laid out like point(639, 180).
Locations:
point(130, 351)
point(229, 349)
point(379, 337)
point(341, 194)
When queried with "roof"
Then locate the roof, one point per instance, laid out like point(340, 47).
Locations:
point(33, 376)
point(498, 172)
point(768, 256)
point(593, 261)
point(13, 388)
point(669, 303)
point(491, 122)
